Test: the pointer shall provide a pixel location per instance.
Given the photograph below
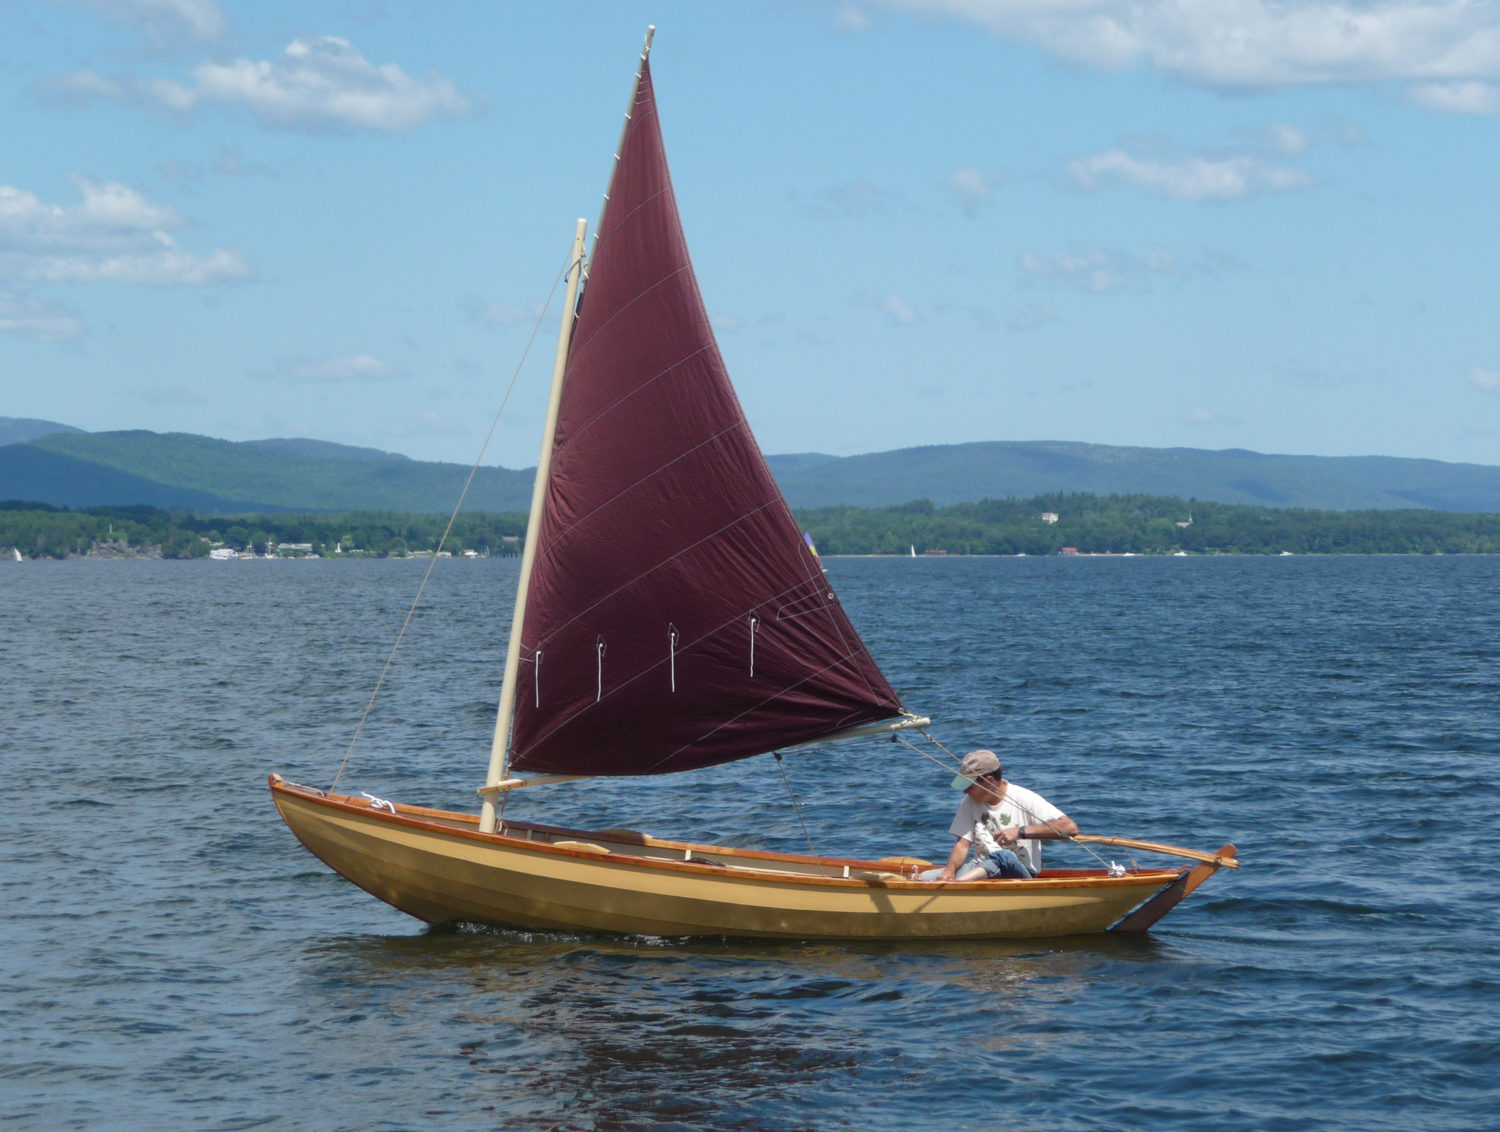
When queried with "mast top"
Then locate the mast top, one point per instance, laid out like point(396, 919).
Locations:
point(650, 31)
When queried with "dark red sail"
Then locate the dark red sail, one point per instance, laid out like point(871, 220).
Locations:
point(676, 617)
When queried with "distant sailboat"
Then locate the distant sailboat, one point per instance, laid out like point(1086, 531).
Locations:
point(671, 615)
point(913, 550)
point(17, 552)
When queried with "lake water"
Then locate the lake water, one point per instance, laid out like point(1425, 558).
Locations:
point(171, 957)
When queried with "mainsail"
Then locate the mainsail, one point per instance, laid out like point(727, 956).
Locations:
point(676, 618)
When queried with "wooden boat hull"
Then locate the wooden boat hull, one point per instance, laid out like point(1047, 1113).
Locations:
point(437, 866)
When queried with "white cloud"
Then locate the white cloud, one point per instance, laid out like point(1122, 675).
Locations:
point(28, 317)
point(1244, 44)
point(1089, 270)
point(1486, 379)
point(1163, 262)
point(1346, 133)
point(319, 83)
point(896, 310)
point(1231, 177)
point(899, 312)
point(1286, 140)
point(115, 235)
point(162, 22)
point(972, 188)
point(1099, 271)
point(1457, 98)
point(348, 367)
point(849, 17)
point(81, 86)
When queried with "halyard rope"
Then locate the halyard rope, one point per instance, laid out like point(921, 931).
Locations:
point(566, 267)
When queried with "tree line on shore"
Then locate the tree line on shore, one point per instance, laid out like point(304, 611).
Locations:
point(1042, 525)
point(1143, 524)
point(40, 531)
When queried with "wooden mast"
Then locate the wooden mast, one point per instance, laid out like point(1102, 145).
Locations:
point(498, 747)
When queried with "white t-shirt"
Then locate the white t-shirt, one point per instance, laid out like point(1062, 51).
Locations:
point(1020, 806)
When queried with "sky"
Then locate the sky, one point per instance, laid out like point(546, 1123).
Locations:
point(1261, 224)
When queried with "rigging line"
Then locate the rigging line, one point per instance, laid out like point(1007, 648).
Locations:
point(904, 741)
point(583, 426)
point(389, 660)
point(797, 809)
point(900, 738)
point(713, 438)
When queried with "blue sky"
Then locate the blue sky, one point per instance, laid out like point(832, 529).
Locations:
point(1202, 223)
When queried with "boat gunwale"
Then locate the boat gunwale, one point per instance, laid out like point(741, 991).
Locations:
point(870, 874)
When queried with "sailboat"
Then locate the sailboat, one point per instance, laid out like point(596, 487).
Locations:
point(670, 616)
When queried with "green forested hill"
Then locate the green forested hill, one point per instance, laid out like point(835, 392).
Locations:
point(18, 430)
point(178, 470)
point(967, 473)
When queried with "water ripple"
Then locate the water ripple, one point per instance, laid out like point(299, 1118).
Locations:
point(171, 957)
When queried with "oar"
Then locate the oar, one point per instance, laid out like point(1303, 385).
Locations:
point(1224, 857)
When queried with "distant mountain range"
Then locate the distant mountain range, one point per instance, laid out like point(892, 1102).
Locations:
point(179, 470)
point(962, 473)
point(46, 462)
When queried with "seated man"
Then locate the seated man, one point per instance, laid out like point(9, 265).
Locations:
point(1003, 823)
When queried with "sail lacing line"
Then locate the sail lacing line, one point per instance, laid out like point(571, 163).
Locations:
point(754, 625)
point(804, 606)
point(630, 108)
point(583, 428)
point(599, 648)
point(453, 518)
